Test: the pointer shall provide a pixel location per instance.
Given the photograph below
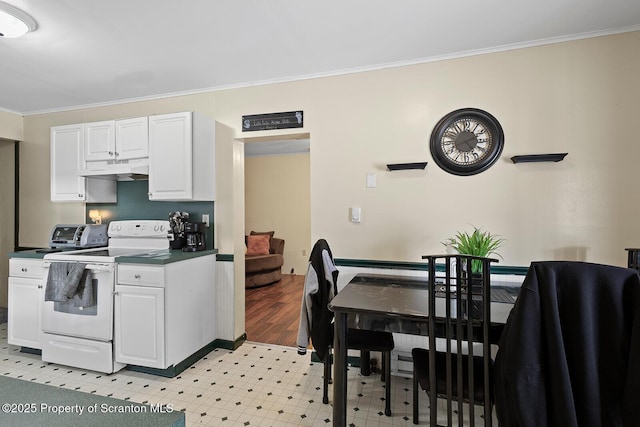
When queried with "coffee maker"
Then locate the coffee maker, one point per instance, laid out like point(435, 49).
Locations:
point(194, 233)
point(177, 220)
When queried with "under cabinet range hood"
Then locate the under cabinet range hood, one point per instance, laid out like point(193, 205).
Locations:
point(118, 171)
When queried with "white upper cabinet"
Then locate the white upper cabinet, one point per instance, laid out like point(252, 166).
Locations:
point(66, 160)
point(176, 151)
point(116, 140)
point(67, 146)
point(181, 157)
point(132, 138)
point(100, 141)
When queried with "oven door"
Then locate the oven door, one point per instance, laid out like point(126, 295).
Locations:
point(95, 322)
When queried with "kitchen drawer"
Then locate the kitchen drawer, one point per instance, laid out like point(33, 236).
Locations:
point(31, 268)
point(140, 274)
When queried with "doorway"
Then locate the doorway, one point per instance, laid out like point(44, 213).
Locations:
point(277, 198)
point(8, 193)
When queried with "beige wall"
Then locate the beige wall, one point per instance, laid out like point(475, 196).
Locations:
point(11, 126)
point(277, 198)
point(579, 97)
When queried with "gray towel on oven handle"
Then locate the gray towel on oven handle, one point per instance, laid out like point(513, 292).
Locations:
point(56, 281)
point(63, 280)
point(74, 277)
point(84, 294)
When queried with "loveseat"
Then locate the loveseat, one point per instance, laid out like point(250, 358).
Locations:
point(263, 260)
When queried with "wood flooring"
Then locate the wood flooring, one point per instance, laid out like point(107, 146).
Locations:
point(272, 313)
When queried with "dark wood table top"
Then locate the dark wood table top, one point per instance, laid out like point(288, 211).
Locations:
point(400, 297)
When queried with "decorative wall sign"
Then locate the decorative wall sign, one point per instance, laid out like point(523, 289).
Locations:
point(288, 120)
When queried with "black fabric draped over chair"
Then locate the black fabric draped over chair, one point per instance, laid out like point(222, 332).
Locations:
point(316, 321)
point(570, 352)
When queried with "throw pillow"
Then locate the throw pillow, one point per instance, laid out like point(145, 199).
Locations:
point(257, 233)
point(268, 233)
point(258, 245)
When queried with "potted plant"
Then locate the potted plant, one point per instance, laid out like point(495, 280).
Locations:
point(478, 243)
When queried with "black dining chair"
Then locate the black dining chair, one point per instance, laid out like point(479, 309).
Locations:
point(316, 321)
point(633, 258)
point(365, 340)
point(569, 354)
point(460, 372)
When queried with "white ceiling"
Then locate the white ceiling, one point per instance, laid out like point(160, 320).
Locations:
point(99, 52)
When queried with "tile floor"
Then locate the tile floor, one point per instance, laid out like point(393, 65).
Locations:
point(255, 385)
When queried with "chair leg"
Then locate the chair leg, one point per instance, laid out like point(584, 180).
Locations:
point(365, 363)
point(326, 378)
point(415, 397)
point(386, 367)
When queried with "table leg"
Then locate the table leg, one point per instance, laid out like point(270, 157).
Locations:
point(340, 370)
point(365, 363)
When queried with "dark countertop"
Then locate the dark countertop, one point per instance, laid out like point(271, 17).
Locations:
point(29, 253)
point(172, 256)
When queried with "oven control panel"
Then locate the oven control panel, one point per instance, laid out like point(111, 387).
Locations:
point(143, 228)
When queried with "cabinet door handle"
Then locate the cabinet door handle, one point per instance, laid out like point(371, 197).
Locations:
point(80, 195)
point(136, 276)
point(24, 270)
point(111, 153)
point(39, 286)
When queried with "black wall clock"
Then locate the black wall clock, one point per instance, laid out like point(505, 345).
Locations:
point(466, 141)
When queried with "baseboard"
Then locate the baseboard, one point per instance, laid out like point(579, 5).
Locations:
point(30, 350)
point(175, 370)
point(231, 345)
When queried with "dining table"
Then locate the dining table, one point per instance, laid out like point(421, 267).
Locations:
point(396, 304)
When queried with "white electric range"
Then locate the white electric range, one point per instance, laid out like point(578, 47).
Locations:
point(82, 337)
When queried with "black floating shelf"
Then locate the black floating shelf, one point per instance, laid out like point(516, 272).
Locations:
point(529, 158)
point(405, 166)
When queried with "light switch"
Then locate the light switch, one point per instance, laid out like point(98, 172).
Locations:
point(371, 180)
point(355, 214)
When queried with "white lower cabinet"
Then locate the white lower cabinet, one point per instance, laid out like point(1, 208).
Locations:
point(139, 335)
point(26, 293)
point(139, 326)
point(164, 313)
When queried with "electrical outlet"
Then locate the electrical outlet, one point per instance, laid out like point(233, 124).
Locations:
point(205, 219)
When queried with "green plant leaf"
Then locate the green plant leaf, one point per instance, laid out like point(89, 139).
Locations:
point(479, 243)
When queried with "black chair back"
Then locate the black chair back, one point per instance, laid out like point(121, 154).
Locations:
point(633, 258)
point(460, 299)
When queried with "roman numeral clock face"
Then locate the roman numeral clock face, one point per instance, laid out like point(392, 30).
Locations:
point(466, 141)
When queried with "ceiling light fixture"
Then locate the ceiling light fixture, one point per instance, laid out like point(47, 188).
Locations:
point(14, 22)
